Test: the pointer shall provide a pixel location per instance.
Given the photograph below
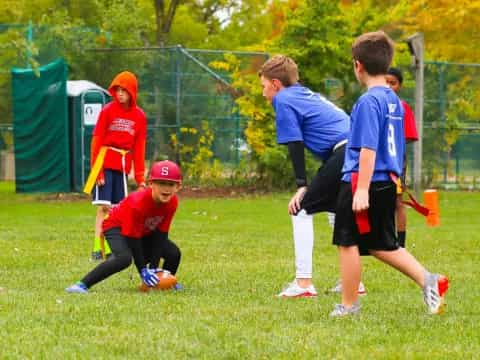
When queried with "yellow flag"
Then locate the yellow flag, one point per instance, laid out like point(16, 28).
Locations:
point(97, 167)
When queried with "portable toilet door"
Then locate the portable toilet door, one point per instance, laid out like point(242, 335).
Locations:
point(86, 100)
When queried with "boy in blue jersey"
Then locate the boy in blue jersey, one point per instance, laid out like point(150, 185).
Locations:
point(365, 217)
point(305, 119)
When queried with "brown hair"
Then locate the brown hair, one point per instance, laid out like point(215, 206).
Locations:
point(374, 50)
point(282, 68)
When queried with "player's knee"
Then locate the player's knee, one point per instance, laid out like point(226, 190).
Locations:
point(174, 253)
point(103, 209)
point(123, 261)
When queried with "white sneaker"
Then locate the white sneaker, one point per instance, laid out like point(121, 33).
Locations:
point(341, 310)
point(434, 292)
point(294, 290)
point(338, 288)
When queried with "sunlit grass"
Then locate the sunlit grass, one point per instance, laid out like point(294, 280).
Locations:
point(237, 254)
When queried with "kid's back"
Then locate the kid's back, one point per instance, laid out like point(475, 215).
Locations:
point(377, 124)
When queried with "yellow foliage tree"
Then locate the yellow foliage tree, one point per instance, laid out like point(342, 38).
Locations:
point(450, 28)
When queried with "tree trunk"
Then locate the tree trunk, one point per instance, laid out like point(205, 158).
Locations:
point(164, 19)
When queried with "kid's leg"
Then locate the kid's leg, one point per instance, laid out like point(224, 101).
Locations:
point(350, 272)
point(121, 260)
point(401, 221)
point(102, 211)
point(303, 243)
point(434, 286)
point(404, 262)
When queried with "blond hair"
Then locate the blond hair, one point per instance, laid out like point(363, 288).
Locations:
point(280, 67)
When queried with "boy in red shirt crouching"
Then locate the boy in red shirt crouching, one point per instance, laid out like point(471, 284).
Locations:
point(138, 228)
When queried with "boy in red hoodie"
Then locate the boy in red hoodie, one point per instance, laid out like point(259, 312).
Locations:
point(118, 140)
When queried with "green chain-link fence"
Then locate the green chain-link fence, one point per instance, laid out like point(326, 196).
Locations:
point(180, 90)
point(189, 103)
point(451, 124)
point(186, 98)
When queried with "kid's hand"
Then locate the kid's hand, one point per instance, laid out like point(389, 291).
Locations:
point(141, 186)
point(294, 204)
point(149, 277)
point(100, 179)
point(360, 200)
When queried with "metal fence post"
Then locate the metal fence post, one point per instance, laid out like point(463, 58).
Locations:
point(416, 46)
point(443, 120)
point(177, 99)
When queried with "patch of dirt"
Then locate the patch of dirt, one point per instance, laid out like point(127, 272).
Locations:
point(218, 192)
point(68, 197)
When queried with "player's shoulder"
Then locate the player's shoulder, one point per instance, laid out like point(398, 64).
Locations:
point(290, 92)
point(139, 111)
point(378, 95)
point(173, 203)
point(137, 199)
point(406, 106)
point(108, 106)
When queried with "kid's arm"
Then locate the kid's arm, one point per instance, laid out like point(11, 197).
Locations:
point(97, 141)
point(297, 154)
point(137, 252)
point(131, 227)
point(148, 275)
point(139, 153)
point(95, 146)
point(139, 162)
point(156, 248)
point(365, 172)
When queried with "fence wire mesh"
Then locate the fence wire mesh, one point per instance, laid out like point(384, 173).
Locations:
point(186, 98)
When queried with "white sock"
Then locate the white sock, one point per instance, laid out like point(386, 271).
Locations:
point(303, 242)
point(331, 219)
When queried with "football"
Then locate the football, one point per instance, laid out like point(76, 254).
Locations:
point(166, 281)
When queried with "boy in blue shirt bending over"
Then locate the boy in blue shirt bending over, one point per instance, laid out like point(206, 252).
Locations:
point(305, 119)
point(365, 217)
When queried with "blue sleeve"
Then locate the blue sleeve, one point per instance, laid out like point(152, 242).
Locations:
point(288, 123)
point(365, 125)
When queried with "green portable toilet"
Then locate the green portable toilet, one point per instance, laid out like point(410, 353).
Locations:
point(85, 101)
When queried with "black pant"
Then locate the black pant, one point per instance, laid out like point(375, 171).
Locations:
point(322, 192)
point(148, 250)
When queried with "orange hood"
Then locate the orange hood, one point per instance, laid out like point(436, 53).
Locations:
point(128, 81)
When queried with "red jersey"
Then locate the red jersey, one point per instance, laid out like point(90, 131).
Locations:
point(121, 128)
point(409, 123)
point(138, 215)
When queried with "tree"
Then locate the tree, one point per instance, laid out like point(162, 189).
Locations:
point(164, 15)
point(450, 28)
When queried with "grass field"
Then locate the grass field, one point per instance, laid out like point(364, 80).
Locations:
point(237, 254)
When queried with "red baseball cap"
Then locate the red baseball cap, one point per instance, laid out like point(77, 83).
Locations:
point(165, 170)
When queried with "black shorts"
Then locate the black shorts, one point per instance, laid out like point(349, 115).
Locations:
point(322, 193)
point(112, 192)
point(381, 216)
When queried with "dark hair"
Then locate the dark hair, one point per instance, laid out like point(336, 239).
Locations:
point(374, 50)
point(282, 68)
point(397, 73)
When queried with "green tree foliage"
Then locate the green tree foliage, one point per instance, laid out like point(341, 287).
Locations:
point(317, 36)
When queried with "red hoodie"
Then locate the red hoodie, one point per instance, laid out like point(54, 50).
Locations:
point(122, 128)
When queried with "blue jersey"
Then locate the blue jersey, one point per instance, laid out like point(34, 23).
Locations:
point(377, 124)
point(302, 115)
